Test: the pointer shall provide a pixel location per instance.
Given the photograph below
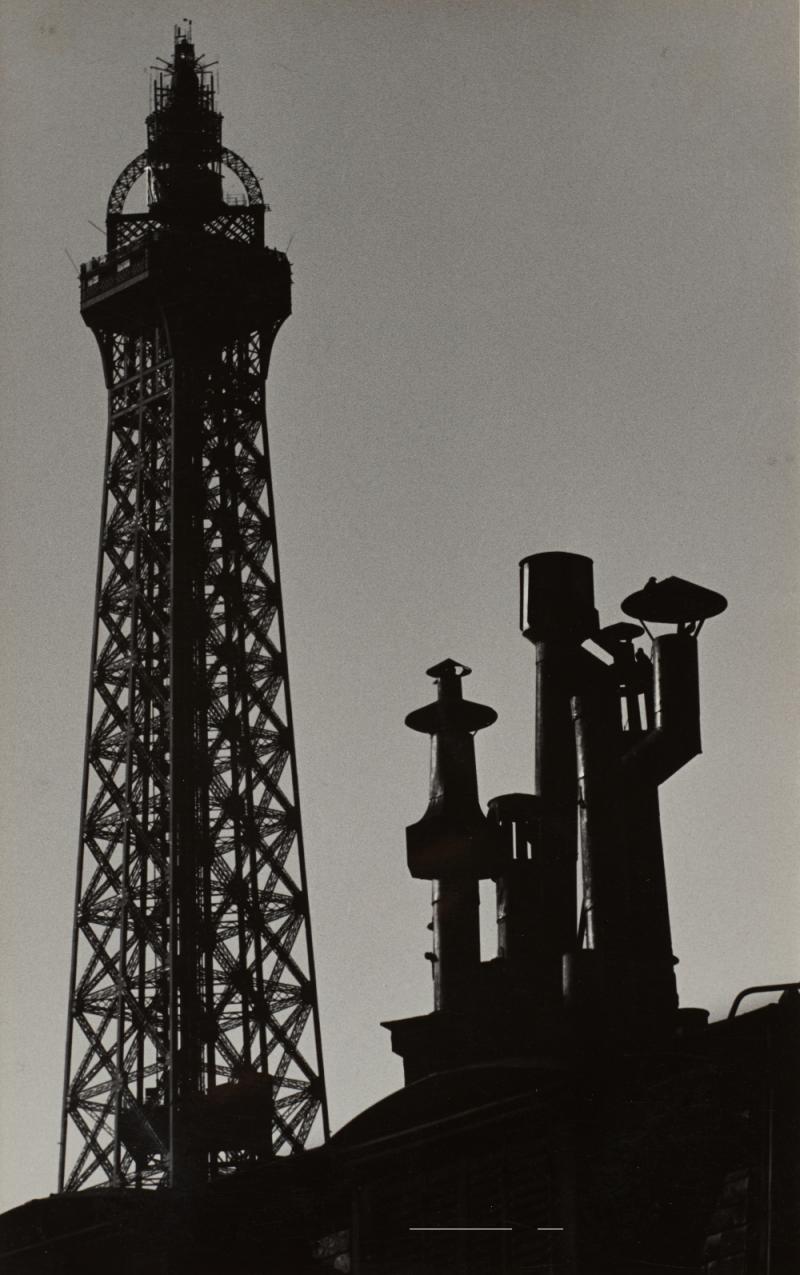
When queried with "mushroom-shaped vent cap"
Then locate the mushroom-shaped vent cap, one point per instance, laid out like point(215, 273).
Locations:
point(450, 711)
point(448, 669)
point(673, 601)
point(614, 636)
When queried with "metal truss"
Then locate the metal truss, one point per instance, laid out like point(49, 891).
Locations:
point(135, 169)
point(192, 973)
point(238, 223)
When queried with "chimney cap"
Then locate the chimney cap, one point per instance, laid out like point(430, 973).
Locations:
point(614, 637)
point(450, 711)
point(673, 601)
point(445, 668)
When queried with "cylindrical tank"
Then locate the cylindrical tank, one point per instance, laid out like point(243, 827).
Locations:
point(557, 597)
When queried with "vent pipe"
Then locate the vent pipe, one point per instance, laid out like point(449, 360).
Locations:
point(453, 845)
point(557, 616)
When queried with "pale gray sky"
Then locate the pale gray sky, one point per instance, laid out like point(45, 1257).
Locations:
point(544, 258)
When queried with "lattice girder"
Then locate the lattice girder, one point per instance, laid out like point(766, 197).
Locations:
point(248, 997)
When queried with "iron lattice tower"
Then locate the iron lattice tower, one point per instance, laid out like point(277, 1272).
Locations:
point(193, 1042)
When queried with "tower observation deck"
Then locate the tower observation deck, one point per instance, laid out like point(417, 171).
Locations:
point(193, 1042)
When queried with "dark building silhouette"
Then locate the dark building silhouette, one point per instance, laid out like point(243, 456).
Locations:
point(561, 1112)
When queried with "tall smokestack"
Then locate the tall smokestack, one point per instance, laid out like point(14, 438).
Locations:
point(453, 845)
point(557, 615)
point(620, 768)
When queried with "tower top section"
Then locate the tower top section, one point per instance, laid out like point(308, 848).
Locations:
point(184, 137)
point(183, 167)
point(197, 238)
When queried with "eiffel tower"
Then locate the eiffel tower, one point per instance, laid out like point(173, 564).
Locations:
point(193, 1041)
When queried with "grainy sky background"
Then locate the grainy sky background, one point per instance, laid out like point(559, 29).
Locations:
point(544, 257)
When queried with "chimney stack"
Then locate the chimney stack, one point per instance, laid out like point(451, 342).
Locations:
point(453, 845)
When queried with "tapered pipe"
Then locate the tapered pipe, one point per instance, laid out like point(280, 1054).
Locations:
point(624, 883)
point(652, 983)
point(673, 741)
point(453, 844)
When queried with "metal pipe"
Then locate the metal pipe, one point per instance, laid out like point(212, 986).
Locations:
point(605, 889)
point(673, 740)
point(675, 737)
point(557, 614)
point(530, 939)
point(653, 986)
point(764, 987)
point(624, 886)
point(456, 942)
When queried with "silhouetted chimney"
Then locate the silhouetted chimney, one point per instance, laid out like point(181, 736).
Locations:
point(453, 844)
